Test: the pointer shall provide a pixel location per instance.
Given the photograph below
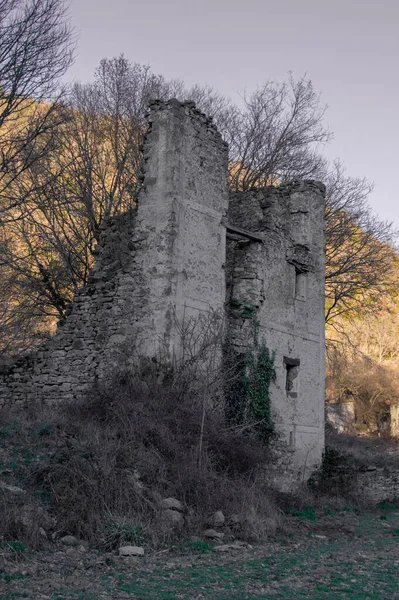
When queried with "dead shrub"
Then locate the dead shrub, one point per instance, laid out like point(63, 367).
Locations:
point(103, 464)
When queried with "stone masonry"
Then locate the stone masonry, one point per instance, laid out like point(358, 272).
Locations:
point(168, 260)
point(276, 277)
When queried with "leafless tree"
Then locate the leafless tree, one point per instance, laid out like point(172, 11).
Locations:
point(89, 173)
point(275, 135)
point(35, 51)
point(90, 164)
point(360, 254)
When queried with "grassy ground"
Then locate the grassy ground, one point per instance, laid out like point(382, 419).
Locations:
point(98, 470)
point(322, 555)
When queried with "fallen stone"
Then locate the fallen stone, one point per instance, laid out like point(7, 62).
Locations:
point(174, 517)
point(172, 504)
point(131, 551)
point(69, 540)
point(231, 547)
point(212, 534)
point(217, 519)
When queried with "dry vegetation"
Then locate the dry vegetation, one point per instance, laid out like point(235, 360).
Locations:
point(102, 466)
point(99, 469)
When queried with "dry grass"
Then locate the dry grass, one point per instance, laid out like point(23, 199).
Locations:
point(101, 467)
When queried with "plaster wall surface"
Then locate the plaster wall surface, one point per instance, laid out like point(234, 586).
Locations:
point(281, 278)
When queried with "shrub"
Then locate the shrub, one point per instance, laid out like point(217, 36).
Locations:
point(104, 463)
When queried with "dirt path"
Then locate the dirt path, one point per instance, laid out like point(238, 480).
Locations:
point(335, 556)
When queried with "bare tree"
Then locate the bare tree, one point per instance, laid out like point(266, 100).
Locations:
point(89, 169)
point(360, 256)
point(35, 51)
point(275, 135)
point(91, 172)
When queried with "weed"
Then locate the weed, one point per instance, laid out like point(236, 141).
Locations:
point(8, 430)
point(4, 576)
point(44, 429)
point(15, 546)
point(387, 506)
point(307, 512)
point(107, 460)
point(198, 546)
point(119, 531)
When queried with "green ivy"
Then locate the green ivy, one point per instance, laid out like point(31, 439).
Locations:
point(258, 376)
point(249, 377)
point(247, 311)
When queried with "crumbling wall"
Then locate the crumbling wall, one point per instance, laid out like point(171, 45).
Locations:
point(155, 266)
point(65, 366)
point(275, 281)
point(166, 262)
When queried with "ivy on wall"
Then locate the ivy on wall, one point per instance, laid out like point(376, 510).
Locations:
point(250, 374)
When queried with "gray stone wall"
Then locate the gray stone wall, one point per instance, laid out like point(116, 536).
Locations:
point(277, 280)
point(154, 268)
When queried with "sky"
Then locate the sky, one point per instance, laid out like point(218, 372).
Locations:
point(348, 48)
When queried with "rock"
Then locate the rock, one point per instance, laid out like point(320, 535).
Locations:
point(42, 533)
point(30, 518)
point(172, 504)
point(217, 519)
point(131, 551)
point(174, 517)
point(235, 519)
point(212, 534)
point(69, 540)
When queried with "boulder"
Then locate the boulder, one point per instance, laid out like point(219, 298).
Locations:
point(131, 551)
point(174, 517)
point(69, 540)
point(217, 519)
point(212, 534)
point(172, 504)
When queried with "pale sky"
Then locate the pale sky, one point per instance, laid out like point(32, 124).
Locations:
point(348, 48)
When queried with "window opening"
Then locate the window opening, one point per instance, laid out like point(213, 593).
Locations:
point(291, 376)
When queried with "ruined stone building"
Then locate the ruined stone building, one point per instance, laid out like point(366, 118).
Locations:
point(189, 249)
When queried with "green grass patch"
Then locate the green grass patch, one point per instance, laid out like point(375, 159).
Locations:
point(307, 512)
point(198, 546)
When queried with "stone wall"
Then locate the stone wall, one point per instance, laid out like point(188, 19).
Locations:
point(155, 266)
point(379, 484)
point(276, 279)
